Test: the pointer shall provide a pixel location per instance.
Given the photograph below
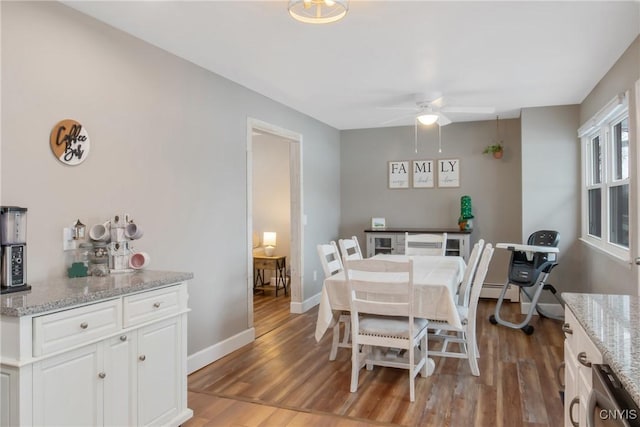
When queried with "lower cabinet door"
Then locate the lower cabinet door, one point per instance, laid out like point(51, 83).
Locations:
point(67, 389)
point(120, 380)
point(571, 391)
point(159, 382)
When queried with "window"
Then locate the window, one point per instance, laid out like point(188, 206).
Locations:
point(605, 155)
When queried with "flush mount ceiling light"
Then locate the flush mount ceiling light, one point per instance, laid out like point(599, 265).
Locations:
point(318, 11)
point(428, 119)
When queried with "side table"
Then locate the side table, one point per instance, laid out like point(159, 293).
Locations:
point(276, 263)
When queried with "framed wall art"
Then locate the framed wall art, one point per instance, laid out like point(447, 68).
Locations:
point(398, 174)
point(423, 174)
point(69, 142)
point(448, 173)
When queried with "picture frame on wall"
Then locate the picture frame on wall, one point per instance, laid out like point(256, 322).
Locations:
point(423, 174)
point(398, 173)
point(448, 173)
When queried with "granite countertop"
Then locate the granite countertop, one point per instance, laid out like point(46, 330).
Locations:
point(62, 293)
point(613, 324)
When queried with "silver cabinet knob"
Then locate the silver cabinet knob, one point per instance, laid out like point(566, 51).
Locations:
point(582, 358)
point(84, 325)
point(142, 358)
point(566, 328)
point(101, 375)
point(157, 304)
point(123, 338)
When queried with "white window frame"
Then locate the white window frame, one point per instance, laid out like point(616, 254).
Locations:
point(601, 125)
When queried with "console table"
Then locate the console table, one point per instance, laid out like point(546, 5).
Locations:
point(276, 263)
point(391, 240)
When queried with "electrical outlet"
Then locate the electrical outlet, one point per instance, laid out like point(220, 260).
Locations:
point(68, 244)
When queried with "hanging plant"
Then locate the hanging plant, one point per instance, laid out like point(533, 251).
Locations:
point(496, 149)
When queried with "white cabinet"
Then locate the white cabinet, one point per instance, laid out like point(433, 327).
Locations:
point(120, 380)
point(579, 353)
point(115, 363)
point(391, 241)
point(158, 380)
point(67, 389)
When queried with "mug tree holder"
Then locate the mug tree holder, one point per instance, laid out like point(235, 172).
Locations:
point(119, 249)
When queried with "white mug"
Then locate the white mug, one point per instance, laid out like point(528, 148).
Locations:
point(132, 231)
point(139, 260)
point(100, 232)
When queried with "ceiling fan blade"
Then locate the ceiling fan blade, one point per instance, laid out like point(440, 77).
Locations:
point(397, 119)
point(443, 120)
point(469, 110)
point(398, 107)
point(437, 103)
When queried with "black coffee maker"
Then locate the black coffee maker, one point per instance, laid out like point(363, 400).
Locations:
point(13, 248)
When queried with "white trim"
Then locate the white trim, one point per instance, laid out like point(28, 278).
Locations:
point(492, 290)
point(296, 261)
point(634, 203)
point(217, 351)
point(613, 107)
point(600, 126)
point(553, 309)
point(306, 305)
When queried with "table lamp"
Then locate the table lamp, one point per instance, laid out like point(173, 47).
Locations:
point(269, 242)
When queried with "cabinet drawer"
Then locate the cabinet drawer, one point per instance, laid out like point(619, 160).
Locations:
point(152, 305)
point(65, 329)
point(263, 264)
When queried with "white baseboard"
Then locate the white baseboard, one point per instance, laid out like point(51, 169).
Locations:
point(217, 351)
point(306, 305)
point(493, 290)
point(551, 308)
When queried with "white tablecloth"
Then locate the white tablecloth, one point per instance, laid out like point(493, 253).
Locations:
point(436, 280)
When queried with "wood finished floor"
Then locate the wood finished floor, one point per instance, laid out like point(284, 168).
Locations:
point(285, 378)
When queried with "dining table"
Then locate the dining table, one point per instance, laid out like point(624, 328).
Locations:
point(436, 280)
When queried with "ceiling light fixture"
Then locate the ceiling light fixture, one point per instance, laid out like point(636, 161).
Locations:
point(318, 11)
point(427, 119)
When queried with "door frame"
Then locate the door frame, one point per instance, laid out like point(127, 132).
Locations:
point(634, 143)
point(295, 175)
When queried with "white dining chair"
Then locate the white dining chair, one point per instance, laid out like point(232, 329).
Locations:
point(332, 264)
point(466, 335)
point(350, 248)
point(382, 318)
point(425, 244)
point(464, 291)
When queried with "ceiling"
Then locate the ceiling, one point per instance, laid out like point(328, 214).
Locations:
point(507, 54)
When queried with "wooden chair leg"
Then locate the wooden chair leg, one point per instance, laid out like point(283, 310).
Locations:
point(355, 368)
point(335, 341)
point(347, 330)
point(423, 355)
point(472, 345)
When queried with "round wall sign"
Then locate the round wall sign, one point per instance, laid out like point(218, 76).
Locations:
point(69, 142)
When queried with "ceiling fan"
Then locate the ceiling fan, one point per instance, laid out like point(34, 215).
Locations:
point(430, 108)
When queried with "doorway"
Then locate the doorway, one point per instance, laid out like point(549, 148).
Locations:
point(273, 204)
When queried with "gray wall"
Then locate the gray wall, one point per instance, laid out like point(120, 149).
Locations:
point(604, 273)
point(168, 147)
point(494, 185)
point(551, 185)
